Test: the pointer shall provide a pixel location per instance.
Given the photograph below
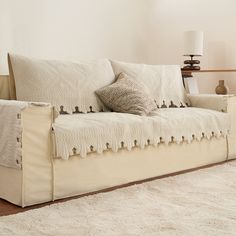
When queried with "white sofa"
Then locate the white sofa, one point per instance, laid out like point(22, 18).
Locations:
point(43, 178)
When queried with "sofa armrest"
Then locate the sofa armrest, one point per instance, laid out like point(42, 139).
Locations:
point(212, 101)
point(12, 129)
point(36, 140)
point(37, 155)
point(223, 103)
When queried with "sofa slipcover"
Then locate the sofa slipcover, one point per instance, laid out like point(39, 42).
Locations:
point(85, 133)
point(69, 86)
point(43, 178)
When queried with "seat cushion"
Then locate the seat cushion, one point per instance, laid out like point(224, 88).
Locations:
point(81, 134)
point(164, 81)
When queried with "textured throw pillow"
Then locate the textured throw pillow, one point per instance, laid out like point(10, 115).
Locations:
point(68, 86)
point(128, 96)
point(164, 82)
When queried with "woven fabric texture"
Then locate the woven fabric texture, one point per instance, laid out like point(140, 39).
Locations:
point(128, 96)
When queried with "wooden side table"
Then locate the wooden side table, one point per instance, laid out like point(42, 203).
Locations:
point(189, 73)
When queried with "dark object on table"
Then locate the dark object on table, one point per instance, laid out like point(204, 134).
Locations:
point(221, 89)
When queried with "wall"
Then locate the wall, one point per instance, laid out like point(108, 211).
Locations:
point(73, 29)
point(4, 35)
point(149, 31)
point(168, 20)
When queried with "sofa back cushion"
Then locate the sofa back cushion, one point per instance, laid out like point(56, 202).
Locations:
point(69, 86)
point(164, 82)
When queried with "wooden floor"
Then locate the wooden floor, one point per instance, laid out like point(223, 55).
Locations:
point(7, 208)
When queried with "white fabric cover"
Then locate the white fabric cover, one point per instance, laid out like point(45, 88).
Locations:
point(58, 178)
point(10, 133)
point(80, 134)
point(61, 83)
point(211, 101)
point(164, 81)
point(225, 103)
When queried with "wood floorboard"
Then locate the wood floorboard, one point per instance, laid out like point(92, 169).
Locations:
point(7, 208)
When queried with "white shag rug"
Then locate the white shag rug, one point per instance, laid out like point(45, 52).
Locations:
point(198, 203)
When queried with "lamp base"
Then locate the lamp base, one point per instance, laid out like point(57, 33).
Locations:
point(191, 67)
point(191, 64)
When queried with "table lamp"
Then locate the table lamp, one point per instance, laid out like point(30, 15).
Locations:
point(193, 46)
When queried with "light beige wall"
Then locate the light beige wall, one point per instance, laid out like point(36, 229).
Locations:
point(169, 18)
point(147, 31)
point(74, 29)
point(4, 34)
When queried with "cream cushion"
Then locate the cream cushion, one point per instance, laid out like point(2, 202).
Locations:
point(68, 86)
point(163, 81)
point(128, 96)
point(83, 133)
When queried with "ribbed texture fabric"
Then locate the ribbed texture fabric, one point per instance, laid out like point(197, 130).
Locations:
point(81, 134)
point(128, 96)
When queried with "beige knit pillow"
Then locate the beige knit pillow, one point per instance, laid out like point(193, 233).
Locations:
point(128, 96)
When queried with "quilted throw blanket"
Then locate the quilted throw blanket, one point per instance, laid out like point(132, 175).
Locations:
point(84, 133)
point(10, 133)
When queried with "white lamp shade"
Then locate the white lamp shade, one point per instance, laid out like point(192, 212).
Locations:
point(193, 43)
